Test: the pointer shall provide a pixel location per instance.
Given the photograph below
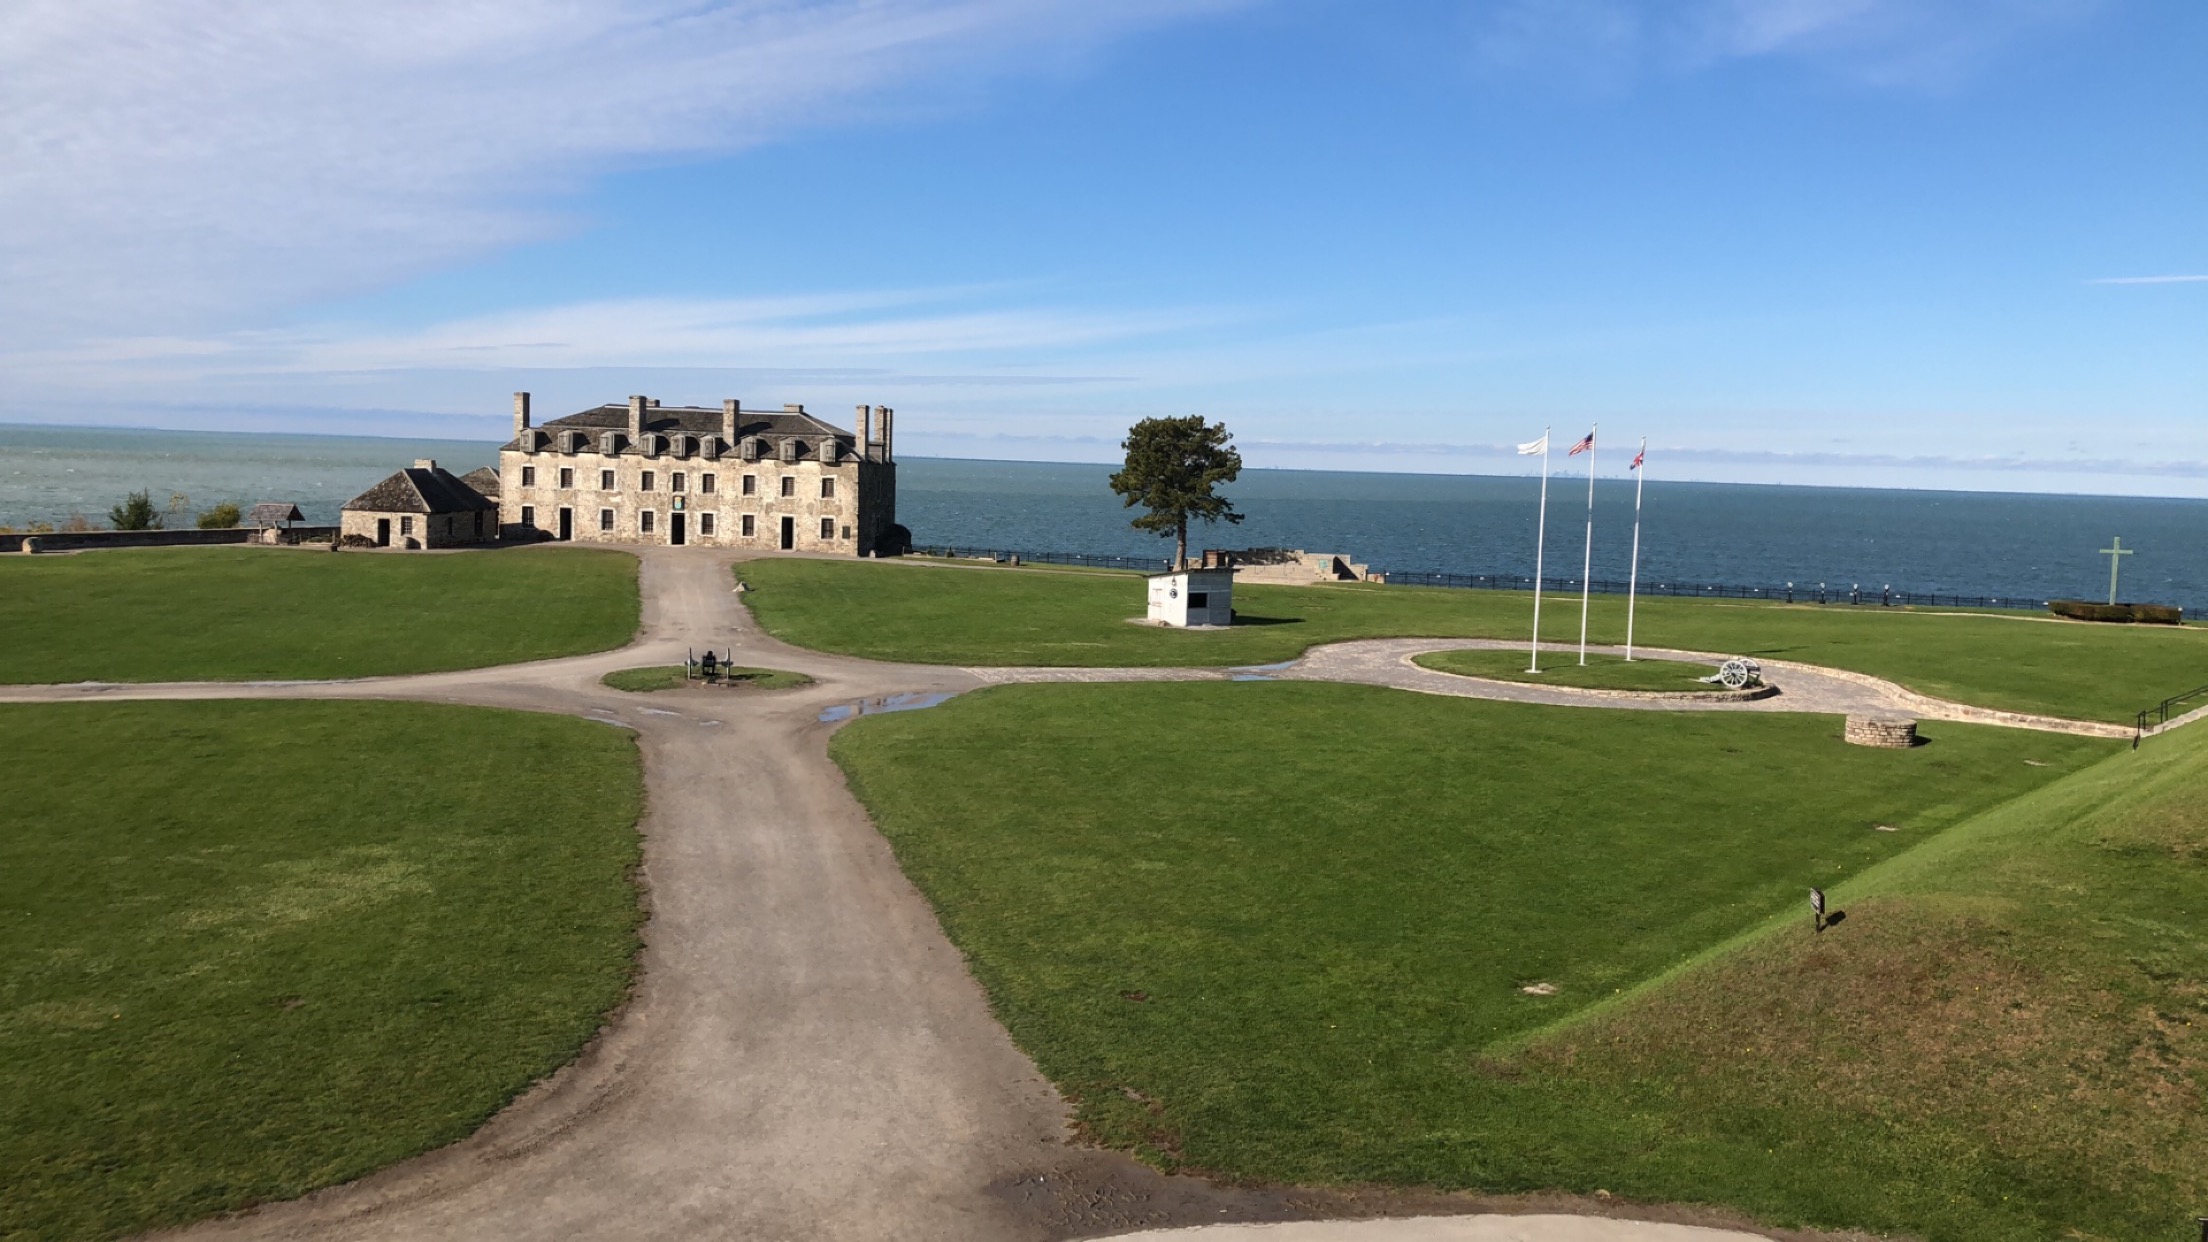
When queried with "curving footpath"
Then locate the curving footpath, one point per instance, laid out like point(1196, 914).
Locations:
point(805, 1054)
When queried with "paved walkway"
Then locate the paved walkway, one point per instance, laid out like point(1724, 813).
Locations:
point(1390, 662)
point(806, 1055)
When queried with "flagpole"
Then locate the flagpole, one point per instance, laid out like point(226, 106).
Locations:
point(1587, 566)
point(1540, 541)
point(1633, 578)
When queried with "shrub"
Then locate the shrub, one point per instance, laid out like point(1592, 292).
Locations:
point(2147, 614)
point(221, 517)
point(135, 513)
point(356, 541)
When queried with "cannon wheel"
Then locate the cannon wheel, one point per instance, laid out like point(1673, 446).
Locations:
point(1734, 675)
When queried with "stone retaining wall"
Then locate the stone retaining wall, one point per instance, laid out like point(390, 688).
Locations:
point(1888, 732)
point(82, 540)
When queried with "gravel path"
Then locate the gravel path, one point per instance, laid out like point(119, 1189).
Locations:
point(805, 1055)
point(1389, 662)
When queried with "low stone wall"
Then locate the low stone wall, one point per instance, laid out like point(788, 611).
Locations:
point(1888, 732)
point(84, 540)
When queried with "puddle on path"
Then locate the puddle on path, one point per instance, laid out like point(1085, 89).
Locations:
point(608, 720)
point(873, 707)
point(657, 711)
point(1258, 672)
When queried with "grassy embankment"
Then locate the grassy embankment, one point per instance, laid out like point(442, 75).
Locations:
point(676, 677)
point(1561, 668)
point(1283, 931)
point(2007, 1038)
point(235, 614)
point(957, 615)
point(249, 949)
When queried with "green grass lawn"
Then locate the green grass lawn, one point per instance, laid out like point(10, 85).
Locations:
point(1283, 930)
point(249, 949)
point(942, 615)
point(2007, 1037)
point(1601, 672)
point(675, 677)
point(229, 614)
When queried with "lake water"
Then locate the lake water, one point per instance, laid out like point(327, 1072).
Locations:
point(1967, 543)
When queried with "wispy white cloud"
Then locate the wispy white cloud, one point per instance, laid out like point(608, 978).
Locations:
point(907, 331)
point(1895, 43)
point(2150, 280)
point(172, 163)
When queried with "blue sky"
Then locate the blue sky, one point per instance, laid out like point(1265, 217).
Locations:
point(1949, 243)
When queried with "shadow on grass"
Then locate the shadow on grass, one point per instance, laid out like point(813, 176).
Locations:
point(1241, 618)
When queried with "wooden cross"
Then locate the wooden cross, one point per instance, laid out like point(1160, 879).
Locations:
point(2115, 554)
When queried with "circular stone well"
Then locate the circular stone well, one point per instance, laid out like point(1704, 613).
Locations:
point(1891, 732)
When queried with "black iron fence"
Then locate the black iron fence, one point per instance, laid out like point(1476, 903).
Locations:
point(1852, 593)
point(1005, 556)
point(2159, 714)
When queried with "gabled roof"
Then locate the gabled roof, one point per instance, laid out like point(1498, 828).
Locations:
point(420, 489)
point(270, 512)
point(700, 421)
point(484, 480)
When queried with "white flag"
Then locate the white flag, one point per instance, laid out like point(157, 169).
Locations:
point(1534, 448)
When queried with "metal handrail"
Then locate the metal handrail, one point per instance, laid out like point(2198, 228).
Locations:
point(2161, 712)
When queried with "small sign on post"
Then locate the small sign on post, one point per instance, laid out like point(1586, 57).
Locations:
point(1817, 916)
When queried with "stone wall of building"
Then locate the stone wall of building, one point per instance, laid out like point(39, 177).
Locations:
point(419, 530)
point(631, 498)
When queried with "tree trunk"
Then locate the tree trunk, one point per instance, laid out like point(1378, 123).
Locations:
point(1180, 544)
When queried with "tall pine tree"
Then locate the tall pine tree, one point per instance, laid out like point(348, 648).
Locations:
point(1172, 466)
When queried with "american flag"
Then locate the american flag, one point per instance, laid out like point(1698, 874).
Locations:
point(1583, 446)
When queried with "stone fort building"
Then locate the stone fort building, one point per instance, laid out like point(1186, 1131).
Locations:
point(731, 477)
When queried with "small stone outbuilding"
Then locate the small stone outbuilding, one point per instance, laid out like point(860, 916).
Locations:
point(423, 506)
point(1188, 597)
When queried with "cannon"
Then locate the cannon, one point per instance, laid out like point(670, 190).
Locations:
point(1738, 673)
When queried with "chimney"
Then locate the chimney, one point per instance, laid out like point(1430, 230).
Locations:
point(425, 463)
point(889, 433)
point(793, 409)
point(521, 413)
point(636, 417)
point(862, 431)
point(731, 409)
